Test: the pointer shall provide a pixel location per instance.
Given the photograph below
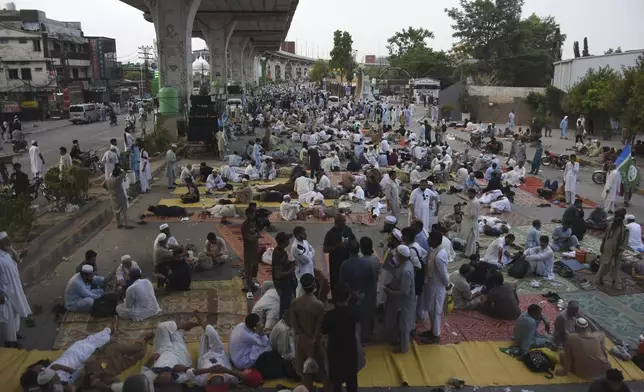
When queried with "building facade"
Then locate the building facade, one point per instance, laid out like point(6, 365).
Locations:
point(47, 64)
point(569, 72)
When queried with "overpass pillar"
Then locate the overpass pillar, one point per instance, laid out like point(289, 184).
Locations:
point(235, 51)
point(173, 22)
point(249, 66)
point(218, 40)
point(272, 69)
point(294, 71)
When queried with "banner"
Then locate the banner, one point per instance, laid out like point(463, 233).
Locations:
point(627, 169)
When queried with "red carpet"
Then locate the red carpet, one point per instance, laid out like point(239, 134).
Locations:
point(471, 325)
point(233, 237)
point(531, 184)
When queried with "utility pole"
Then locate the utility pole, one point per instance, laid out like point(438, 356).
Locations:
point(145, 52)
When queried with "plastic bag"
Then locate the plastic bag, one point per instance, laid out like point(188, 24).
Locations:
point(267, 257)
point(310, 366)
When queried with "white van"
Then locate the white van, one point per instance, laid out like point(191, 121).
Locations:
point(85, 113)
point(334, 102)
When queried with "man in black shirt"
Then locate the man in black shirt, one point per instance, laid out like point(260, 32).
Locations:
point(20, 181)
point(204, 171)
point(614, 382)
point(314, 161)
point(336, 244)
point(481, 272)
point(283, 271)
point(76, 152)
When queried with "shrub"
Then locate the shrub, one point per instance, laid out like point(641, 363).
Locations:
point(69, 187)
point(17, 217)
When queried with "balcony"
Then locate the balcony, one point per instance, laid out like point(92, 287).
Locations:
point(69, 55)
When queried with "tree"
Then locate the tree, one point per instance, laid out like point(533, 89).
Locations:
point(132, 75)
point(596, 95)
point(318, 70)
point(342, 52)
point(611, 50)
point(408, 39)
point(518, 52)
point(408, 50)
point(633, 84)
point(585, 53)
point(575, 48)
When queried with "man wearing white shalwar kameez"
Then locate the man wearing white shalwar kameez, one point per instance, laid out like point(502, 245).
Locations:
point(214, 182)
point(213, 365)
point(490, 196)
point(392, 194)
point(140, 300)
point(497, 252)
point(437, 284)
point(419, 206)
point(305, 189)
point(110, 159)
point(251, 172)
point(289, 209)
point(74, 359)
point(570, 178)
point(470, 226)
point(415, 177)
point(36, 160)
point(501, 205)
point(267, 170)
point(146, 173)
point(15, 303)
point(609, 193)
point(268, 306)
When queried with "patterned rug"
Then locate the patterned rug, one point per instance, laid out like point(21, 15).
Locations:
point(531, 184)
point(633, 301)
point(221, 302)
point(525, 198)
point(614, 317)
point(233, 237)
point(471, 325)
point(629, 286)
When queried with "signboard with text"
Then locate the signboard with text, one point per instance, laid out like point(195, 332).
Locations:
point(93, 49)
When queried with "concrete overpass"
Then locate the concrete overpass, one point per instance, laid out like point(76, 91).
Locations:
point(237, 32)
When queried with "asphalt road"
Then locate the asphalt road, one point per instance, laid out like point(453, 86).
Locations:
point(90, 136)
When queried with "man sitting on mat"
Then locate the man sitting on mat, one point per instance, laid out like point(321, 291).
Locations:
point(245, 194)
point(192, 196)
point(525, 335)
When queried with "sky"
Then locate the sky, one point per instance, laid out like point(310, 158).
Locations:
point(370, 22)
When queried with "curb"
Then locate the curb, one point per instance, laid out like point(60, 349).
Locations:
point(97, 215)
point(582, 162)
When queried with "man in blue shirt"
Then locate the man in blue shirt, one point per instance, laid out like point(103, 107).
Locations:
point(525, 335)
point(536, 161)
point(532, 239)
point(79, 296)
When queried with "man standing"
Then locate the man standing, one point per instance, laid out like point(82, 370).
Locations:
point(110, 160)
point(36, 159)
point(419, 205)
point(392, 194)
point(250, 235)
point(613, 245)
point(400, 306)
point(304, 256)
point(511, 120)
point(283, 271)
point(536, 160)
point(65, 162)
point(12, 296)
point(609, 193)
point(336, 244)
point(570, 179)
point(118, 198)
point(438, 283)
point(564, 128)
point(521, 154)
point(307, 314)
point(171, 162)
point(471, 223)
point(357, 274)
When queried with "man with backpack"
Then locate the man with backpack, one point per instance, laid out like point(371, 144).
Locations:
point(525, 336)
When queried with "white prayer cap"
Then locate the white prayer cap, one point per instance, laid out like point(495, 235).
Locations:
point(3, 235)
point(173, 145)
point(86, 268)
point(244, 180)
point(164, 226)
point(642, 338)
point(493, 156)
point(287, 197)
point(161, 237)
point(126, 258)
point(630, 217)
point(429, 183)
point(45, 376)
point(417, 167)
point(33, 142)
point(581, 322)
point(391, 220)
point(403, 250)
point(398, 234)
point(113, 148)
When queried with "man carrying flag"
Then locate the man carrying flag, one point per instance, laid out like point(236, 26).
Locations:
point(624, 172)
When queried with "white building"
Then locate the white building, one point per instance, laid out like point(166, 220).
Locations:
point(569, 72)
point(426, 86)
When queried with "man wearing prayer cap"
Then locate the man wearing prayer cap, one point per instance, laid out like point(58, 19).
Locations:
point(634, 234)
point(172, 242)
point(171, 166)
point(307, 314)
point(36, 160)
point(79, 294)
point(585, 352)
point(400, 305)
point(13, 302)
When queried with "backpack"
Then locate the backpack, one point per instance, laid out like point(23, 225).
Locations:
point(519, 267)
point(538, 362)
point(104, 306)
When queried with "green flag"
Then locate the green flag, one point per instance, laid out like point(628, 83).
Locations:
point(627, 169)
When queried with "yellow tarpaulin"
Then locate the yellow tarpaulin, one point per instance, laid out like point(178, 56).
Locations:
point(478, 363)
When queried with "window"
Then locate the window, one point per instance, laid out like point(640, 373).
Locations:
point(37, 47)
point(25, 73)
point(75, 73)
point(13, 74)
point(4, 41)
point(22, 40)
point(38, 69)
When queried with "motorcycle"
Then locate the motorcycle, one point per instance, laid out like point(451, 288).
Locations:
point(37, 184)
point(599, 176)
point(19, 145)
point(476, 140)
point(550, 158)
point(89, 159)
point(113, 121)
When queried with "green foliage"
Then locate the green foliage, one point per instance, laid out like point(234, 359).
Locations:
point(633, 87)
point(157, 141)
point(318, 71)
point(518, 52)
point(408, 50)
point(575, 48)
point(597, 96)
point(446, 110)
point(585, 53)
point(136, 75)
point(612, 51)
point(17, 217)
point(342, 52)
point(70, 186)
